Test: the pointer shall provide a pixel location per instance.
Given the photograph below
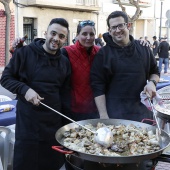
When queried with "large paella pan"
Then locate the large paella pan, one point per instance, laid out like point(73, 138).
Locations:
point(165, 140)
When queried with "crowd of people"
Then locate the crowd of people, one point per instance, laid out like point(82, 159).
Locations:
point(83, 81)
point(160, 51)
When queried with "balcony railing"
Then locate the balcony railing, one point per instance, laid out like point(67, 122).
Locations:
point(87, 2)
point(142, 3)
point(80, 5)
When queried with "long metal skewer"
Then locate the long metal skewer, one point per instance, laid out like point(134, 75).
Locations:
point(154, 113)
point(67, 118)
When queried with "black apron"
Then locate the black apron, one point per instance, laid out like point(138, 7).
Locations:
point(36, 125)
point(128, 80)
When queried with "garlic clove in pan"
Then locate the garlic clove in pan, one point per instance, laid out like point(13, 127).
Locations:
point(104, 137)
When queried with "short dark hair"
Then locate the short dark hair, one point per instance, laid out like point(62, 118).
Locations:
point(116, 14)
point(154, 37)
point(60, 21)
point(83, 24)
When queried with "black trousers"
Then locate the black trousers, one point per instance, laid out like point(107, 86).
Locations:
point(36, 155)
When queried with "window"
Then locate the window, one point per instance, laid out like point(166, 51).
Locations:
point(28, 29)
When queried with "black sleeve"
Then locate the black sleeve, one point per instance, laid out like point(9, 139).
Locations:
point(13, 75)
point(97, 75)
point(159, 48)
point(149, 60)
point(64, 52)
point(65, 93)
point(153, 64)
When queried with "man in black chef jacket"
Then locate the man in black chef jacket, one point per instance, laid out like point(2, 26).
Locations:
point(121, 70)
point(39, 72)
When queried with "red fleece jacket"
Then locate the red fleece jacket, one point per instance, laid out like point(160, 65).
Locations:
point(81, 61)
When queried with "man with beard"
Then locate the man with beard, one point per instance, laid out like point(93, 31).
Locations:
point(120, 72)
point(39, 72)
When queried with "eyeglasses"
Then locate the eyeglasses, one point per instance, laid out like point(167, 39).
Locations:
point(87, 22)
point(120, 26)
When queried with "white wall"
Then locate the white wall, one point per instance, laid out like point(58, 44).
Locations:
point(150, 17)
point(44, 16)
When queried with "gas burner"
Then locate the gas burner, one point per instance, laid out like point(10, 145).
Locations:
point(75, 163)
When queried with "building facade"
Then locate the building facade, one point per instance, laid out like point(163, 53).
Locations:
point(32, 17)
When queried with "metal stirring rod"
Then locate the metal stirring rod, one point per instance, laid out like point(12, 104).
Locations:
point(153, 110)
point(68, 118)
point(103, 135)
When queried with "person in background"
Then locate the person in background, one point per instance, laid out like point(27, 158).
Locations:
point(155, 46)
point(74, 40)
point(98, 41)
point(146, 39)
point(120, 72)
point(39, 72)
point(163, 53)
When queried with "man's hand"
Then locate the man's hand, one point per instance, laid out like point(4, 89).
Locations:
point(150, 89)
point(17, 41)
point(33, 97)
point(144, 43)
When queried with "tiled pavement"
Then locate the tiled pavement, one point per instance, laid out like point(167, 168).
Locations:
point(163, 166)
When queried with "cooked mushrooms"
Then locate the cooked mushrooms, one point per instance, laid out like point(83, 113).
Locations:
point(127, 141)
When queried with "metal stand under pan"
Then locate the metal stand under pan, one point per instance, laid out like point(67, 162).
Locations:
point(76, 163)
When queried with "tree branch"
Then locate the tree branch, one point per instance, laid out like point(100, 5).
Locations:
point(5, 1)
point(137, 14)
point(138, 11)
point(123, 8)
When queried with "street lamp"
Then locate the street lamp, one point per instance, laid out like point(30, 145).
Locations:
point(160, 19)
